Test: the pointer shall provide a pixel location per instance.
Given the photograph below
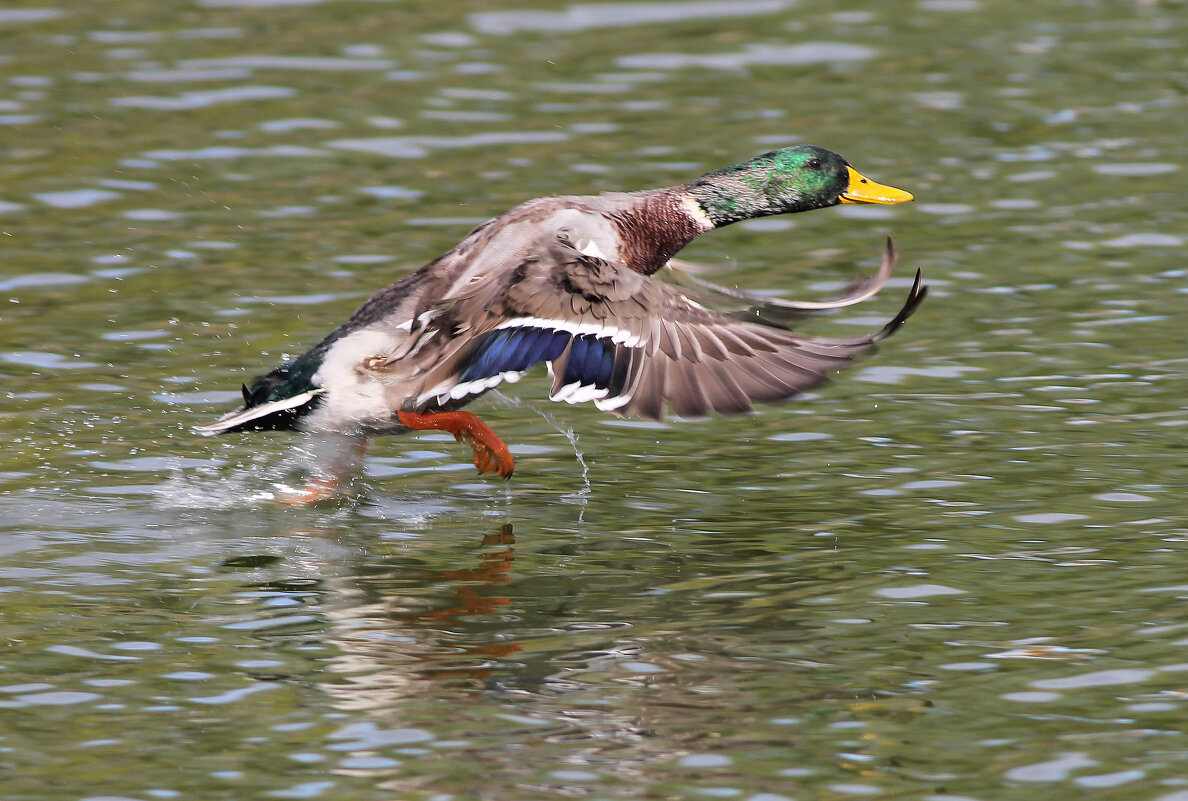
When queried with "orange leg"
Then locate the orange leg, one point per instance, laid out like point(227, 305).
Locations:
point(326, 485)
point(316, 489)
point(490, 454)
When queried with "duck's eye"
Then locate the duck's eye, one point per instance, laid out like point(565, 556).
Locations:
point(814, 164)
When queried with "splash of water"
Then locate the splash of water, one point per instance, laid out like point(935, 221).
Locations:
point(580, 497)
point(261, 479)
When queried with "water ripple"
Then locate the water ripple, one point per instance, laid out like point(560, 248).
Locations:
point(797, 55)
point(1051, 771)
point(41, 279)
point(411, 147)
point(11, 15)
point(584, 17)
point(204, 99)
point(1099, 678)
point(368, 736)
point(75, 198)
point(233, 152)
point(298, 124)
point(317, 63)
point(186, 75)
point(917, 591)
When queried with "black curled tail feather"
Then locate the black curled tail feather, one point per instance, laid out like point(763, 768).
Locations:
point(272, 402)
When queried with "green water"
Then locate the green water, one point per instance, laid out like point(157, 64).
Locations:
point(956, 573)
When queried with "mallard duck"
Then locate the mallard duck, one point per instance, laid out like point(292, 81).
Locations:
point(568, 282)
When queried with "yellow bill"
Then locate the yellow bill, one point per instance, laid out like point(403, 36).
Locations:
point(864, 190)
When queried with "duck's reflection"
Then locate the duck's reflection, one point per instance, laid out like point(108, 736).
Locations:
point(524, 672)
point(396, 629)
point(494, 568)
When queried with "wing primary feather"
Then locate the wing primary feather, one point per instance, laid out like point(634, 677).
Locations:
point(669, 345)
point(621, 370)
point(710, 344)
point(689, 345)
point(730, 399)
point(653, 334)
point(648, 398)
point(683, 390)
point(636, 372)
point(770, 383)
point(733, 343)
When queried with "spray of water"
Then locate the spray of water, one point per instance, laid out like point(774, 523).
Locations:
point(580, 497)
point(262, 478)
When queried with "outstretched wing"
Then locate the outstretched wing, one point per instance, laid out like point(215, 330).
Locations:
point(630, 343)
point(775, 311)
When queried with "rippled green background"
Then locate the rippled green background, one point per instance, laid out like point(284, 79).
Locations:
point(956, 573)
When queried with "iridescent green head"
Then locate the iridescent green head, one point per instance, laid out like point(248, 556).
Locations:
point(797, 178)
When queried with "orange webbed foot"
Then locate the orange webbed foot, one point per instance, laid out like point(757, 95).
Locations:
point(316, 490)
point(490, 453)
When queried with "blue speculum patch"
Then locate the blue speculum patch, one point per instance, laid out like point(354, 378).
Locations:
point(516, 349)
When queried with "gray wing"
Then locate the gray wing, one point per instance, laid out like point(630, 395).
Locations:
point(629, 343)
point(775, 311)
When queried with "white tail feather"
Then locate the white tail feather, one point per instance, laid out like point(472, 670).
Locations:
point(241, 416)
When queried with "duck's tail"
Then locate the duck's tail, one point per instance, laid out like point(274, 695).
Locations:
point(274, 402)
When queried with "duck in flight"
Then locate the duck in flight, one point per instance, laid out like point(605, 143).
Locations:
point(568, 282)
